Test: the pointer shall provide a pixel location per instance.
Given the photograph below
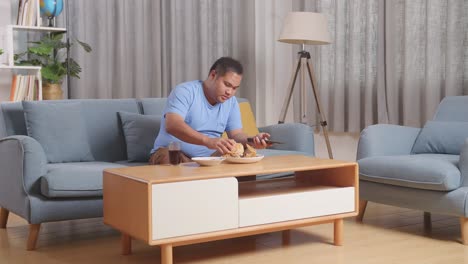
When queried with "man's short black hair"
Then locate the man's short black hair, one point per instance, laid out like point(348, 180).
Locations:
point(226, 64)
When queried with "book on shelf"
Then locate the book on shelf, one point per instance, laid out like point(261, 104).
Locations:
point(13, 88)
point(27, 13)
point(24, 88)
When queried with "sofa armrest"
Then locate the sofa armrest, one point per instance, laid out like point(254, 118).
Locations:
point(386, 140)
point(23, 162)
point(295, 136)
point(463, 163)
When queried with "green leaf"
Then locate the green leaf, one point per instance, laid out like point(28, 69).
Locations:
point(57, 37)
point(19, 55)
point(33, 62)
point(53, 73)
point(48, 52)
point(74, 67)
point(85, 46)
point(41, 50)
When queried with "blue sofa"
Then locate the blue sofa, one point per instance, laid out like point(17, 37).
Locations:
point(44, 182)
point(419, 168)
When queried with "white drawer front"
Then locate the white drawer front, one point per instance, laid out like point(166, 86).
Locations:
point(192, 207)
point(292, 206)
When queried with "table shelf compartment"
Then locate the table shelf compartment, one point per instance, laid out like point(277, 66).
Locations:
point(278, 200)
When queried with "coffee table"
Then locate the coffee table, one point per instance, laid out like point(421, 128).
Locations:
point(178, 205)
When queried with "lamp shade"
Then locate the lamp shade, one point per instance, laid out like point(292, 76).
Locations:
point(305, 28)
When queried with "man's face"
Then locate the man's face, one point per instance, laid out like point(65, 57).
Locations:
point(225, 86)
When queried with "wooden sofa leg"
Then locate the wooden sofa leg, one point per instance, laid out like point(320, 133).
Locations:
point(3, 217)
point(33, 234)
point(427, 221)
point(362, 210)
point(464, 230)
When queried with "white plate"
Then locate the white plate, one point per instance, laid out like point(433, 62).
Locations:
point(208, 161)
point(244, 160)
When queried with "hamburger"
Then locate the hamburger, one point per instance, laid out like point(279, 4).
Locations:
point(236, 152)
point(240, 152)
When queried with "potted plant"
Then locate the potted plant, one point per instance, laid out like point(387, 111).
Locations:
point(50, 54)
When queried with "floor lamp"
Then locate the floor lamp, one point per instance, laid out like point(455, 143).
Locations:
point(305, 28)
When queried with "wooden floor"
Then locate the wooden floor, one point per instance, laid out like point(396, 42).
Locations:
point(387, 235)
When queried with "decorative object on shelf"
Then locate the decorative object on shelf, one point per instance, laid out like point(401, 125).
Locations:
point(48, 53)
point(52, 91)
point(311, 29)
point(1, 51)
point(51, 9)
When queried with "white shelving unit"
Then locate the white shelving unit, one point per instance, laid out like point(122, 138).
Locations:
point(35, 69)
point(10, 41)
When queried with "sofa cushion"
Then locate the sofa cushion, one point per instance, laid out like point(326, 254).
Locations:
point(140, 131)
point(249, 125)
point(75, 179)
point(60, 129)
point(276, 152)
point(127, 163)
point(441, 137)
point(103, 125)
point(153, 106)
point(421, 171)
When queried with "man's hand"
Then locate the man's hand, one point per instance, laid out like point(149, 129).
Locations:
point(259, 140)
point(222, 145)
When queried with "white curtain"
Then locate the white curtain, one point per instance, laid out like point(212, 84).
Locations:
point(346, 70)
point(144, 48)
point(389, 61)
point(426, 56)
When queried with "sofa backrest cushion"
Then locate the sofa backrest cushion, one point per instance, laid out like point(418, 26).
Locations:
point(104, 128)
point(140, 131)
point(441, 137)
point(153, 106)
point(102, 124)
point(60, 129)
point(452, 108)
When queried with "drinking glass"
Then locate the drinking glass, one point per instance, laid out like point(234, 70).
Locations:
point(174, 153)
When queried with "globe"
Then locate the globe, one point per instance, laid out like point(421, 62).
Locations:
point(51, 8)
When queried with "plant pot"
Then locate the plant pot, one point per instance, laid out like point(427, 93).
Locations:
point(52, 91)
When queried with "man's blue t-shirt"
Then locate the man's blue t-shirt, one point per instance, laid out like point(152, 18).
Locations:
point(189, 101)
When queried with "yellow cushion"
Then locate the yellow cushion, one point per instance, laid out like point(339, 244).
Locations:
point(248, 120)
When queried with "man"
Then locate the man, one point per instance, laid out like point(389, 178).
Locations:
point(197, 113)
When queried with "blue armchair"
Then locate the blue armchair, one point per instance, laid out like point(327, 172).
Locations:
point(423, 169)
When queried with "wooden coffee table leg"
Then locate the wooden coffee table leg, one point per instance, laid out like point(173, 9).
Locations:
point(286, 237)
point(338, 232)
point(166, 254)
point(126, 244)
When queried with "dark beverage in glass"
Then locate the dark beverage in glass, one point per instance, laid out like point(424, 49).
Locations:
point(174, 152)
point(174, 157)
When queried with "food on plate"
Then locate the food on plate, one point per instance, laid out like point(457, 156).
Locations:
point(236, 152)
point(240, 152)
point(249, 151)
